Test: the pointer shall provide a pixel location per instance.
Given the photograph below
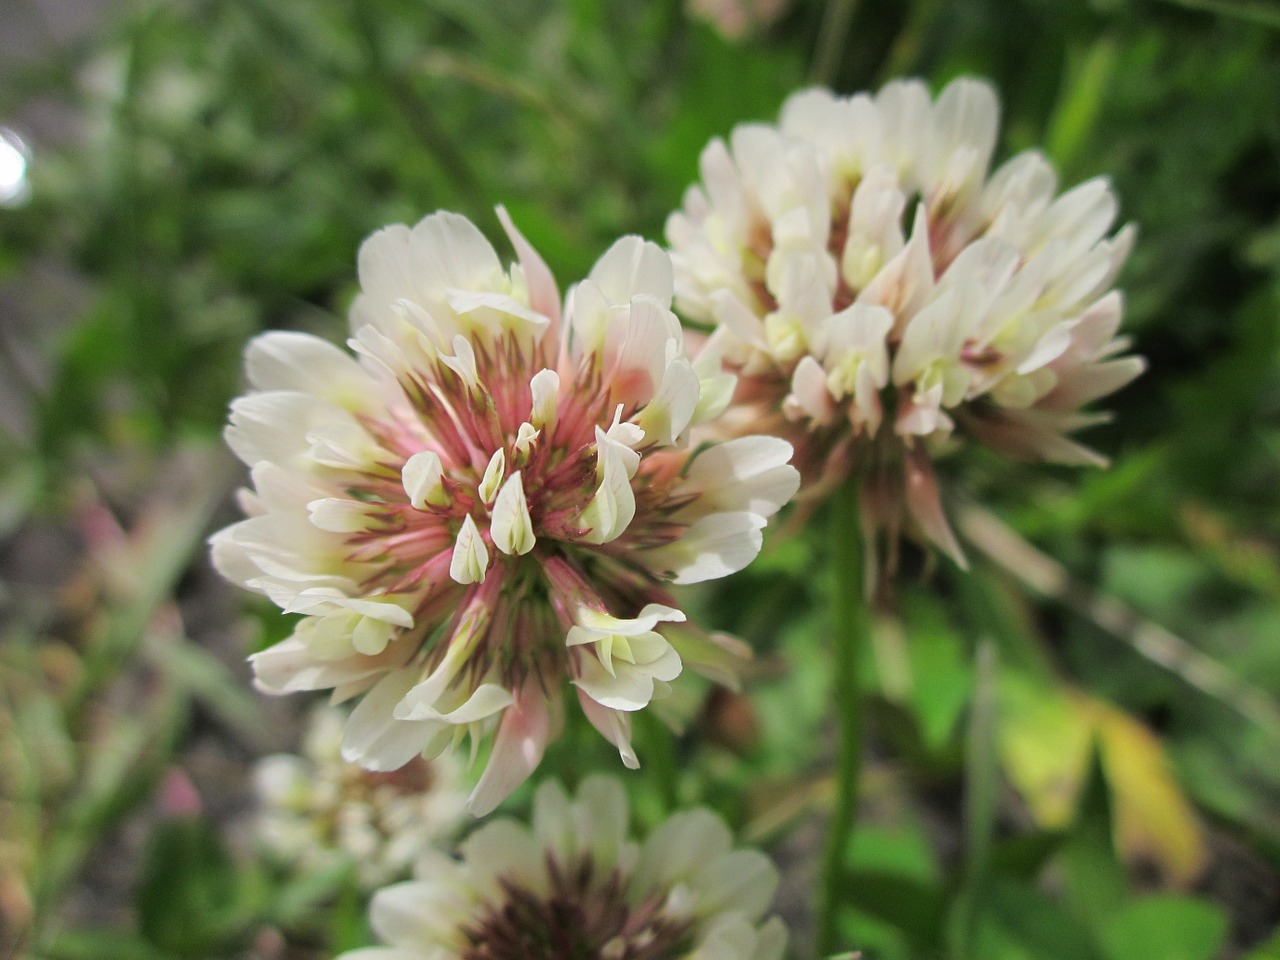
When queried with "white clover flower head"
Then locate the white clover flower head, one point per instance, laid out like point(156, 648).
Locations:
point(575, 885)
point(314, 808)
point(881, 293)
point(489, 498)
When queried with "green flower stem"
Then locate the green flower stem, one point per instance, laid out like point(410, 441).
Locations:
point(850, 627)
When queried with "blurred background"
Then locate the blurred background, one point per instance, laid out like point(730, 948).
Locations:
point(1073, 751)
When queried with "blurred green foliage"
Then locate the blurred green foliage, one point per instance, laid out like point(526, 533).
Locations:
point(230, 158)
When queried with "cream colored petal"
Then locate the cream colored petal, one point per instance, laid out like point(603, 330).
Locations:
point(470, 555)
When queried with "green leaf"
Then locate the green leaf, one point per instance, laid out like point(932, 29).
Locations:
point(1020, 923)
point(1095, 878)
point(191, 899)
point(1168, 927)
point(914, 908)
point(941, 673)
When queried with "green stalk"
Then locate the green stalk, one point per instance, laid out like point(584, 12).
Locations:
point(850, 627)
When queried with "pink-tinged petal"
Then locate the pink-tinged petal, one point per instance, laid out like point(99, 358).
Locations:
point(614, 726)
point(1082, 386)
point(544, 295)
point(867, 409)
point(517, 750)
point(1035, 436)
point(921, 414)
point(809, 395)
point(925, 505)
point(636, 350)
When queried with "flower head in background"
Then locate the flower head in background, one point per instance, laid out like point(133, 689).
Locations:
point(316, 808)
point(488, 500)
point(881, 294)
point(575, 886)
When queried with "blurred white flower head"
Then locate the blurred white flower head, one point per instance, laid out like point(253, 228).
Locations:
point(882, 294)
point(575, 885)
point(489, 499)
point(315, 808)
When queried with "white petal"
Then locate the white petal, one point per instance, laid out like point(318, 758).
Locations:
point(713, 547)
point(289, 666)
point(488, 699)
point(299, 362)
point(273, 426)
point(599, 623)
point(503, 848)
point(327, 599)
point(493, 475)
point(470, 556)
point(554, 821)
point(672, 408)
point(525, 437)
point(422, 476)
point(511, 526)
point(613, 507)
point(338, 515)
point(374, 738)
point(419, 915)
point(741, 880)
point(677, 848)
point(463, 361)
point(810, 396)
point(601, 805)
point(771, 940)
point(632, 267)
point(748, 473)
point(545, 387)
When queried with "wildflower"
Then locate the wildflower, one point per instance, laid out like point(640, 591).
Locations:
point(575, 886)
point(316, 809)
point(488, 500)
point(882, 296)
